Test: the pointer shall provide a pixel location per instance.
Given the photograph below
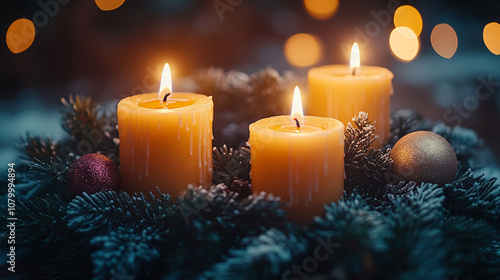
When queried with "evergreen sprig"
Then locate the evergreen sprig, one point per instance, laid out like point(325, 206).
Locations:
point(42, 148)
point(230, 164)
point(265, 256)
point(102, 212)
point(214, 220)
point(363, 164)
point(474, 196)
point(81, 114)
point(416, 217)
point(404, 122)
point(473, 248)
point(124, 252)
point(43, 221)
point(464, 142)
point(54, 172)
point(91, 129)
point(221, 211)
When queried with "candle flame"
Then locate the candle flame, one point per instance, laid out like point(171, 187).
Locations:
point(297, 114)
point(165, 83)
point(355, 64)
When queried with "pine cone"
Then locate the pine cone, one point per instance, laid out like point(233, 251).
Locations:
point(241, 187)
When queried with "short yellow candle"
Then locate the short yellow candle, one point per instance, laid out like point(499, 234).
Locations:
point(165, 144)
point(342, 91)
point(302, 165)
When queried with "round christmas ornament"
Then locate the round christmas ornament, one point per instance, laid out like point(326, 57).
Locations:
point(93, 173)
point(424, 156)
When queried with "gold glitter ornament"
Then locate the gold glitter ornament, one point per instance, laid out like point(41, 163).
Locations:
point(424, 156)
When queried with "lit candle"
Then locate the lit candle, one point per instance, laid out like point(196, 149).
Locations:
point(342, 91)
point(300, 159)
point(165, 139)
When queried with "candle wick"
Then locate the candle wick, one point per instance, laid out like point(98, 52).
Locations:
point(354, 70)
point(166, 96)
point(297, 123)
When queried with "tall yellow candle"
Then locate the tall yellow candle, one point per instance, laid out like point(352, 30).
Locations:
point(165, 144)
point(342, 91)
point(302, 165)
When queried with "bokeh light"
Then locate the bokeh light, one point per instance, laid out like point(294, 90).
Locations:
point(303, 49)
point(491, 37)
point(444, 40)
point(20, 35)
point(108, 5)
point(321, 9)
point(404, 43)
point(409, 17)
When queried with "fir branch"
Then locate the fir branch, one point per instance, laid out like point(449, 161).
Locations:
point(38, 147)
point(473, 248)
point(363, 164)
point(229, 164)
point(46, 213)
point(215, 221)
point(381, 197)
point(224, 213)
point(425, 202)
point(266, 256)
point(416, 244)
point(102, 212)
point(54, 172)
point(404, 122)
point(474, 196)
point(91, 129)
point(351, 218)
point(123, 253)
point(464, 142)
point(358, 233)
point(81, 114)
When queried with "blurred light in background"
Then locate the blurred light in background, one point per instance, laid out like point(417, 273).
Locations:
point(409, 17)
point(303, 49)
point(444, 40)
point(491, 37)
point(109, 5)
point(20, 35)
point(321, 9)
point(404, 43)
